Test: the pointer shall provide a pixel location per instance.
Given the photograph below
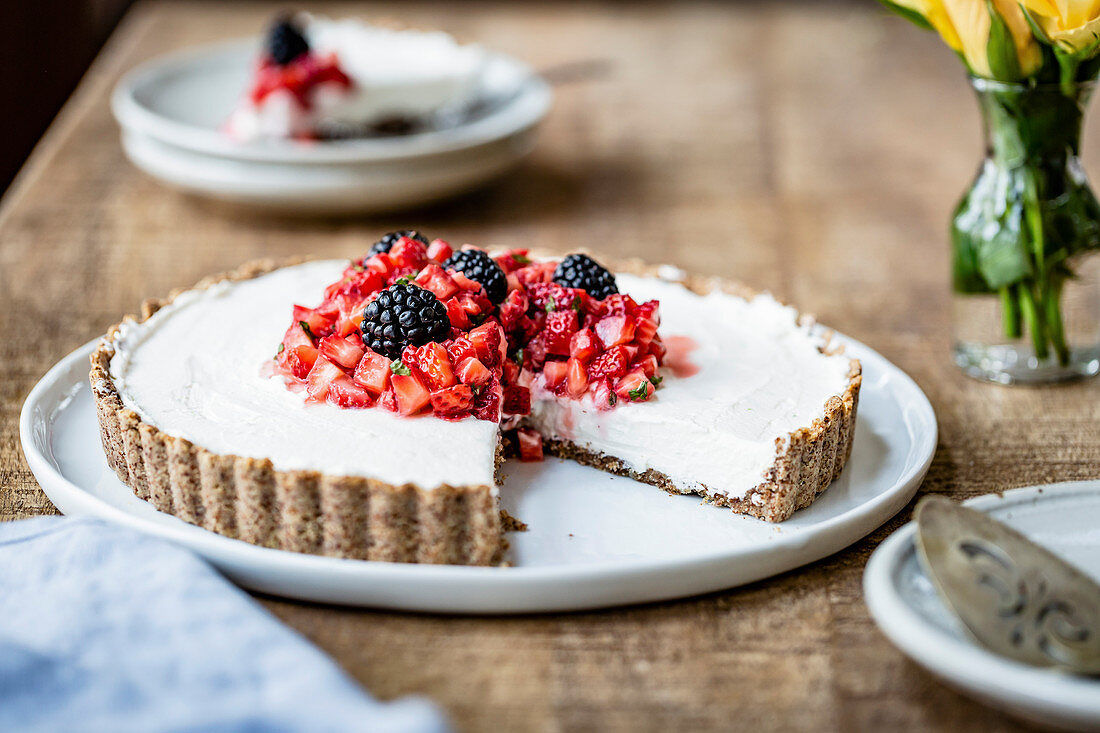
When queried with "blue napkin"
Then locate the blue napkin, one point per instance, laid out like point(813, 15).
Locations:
point(105, 629)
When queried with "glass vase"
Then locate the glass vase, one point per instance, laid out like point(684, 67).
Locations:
point(1026, 242)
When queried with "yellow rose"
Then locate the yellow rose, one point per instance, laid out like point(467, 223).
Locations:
point(973, 21)
point(967, 27)
point(1072, 24)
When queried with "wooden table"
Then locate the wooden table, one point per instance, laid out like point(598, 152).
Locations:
point(814, 149)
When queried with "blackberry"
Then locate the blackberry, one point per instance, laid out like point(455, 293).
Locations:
point(386, 243)
point(403, 315)
point(477, 265)
point(581, 271)
point(285, 42)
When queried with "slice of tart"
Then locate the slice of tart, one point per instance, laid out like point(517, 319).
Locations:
point(357, 409)
point(317, 78)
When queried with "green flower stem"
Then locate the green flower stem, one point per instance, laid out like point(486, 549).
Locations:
point(1034, 320)
point(1010, 314)
point(1055, 329)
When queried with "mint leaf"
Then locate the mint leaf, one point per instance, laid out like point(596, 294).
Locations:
point(522, 259)
point(641, 392)
point(656, 380)
point(406, 279)
point(398, 367)
point(359, 268)
point(305, 327)
point(282, 348)
point(612, 398)
point(576, 304)
point(551, 305)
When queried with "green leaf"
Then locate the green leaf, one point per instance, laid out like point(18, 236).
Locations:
point(1001, 49)
point(305, 327)
point(1003, 258)
point(1036, 29)
point(641, 392)
point(398, 367)
point(908, 13)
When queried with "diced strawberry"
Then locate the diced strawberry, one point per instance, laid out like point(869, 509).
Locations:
point(460, 349)
point(474, 303)
point(549, 296)
point(658, 349)
point(380, 263)
point(535, 352)
point(401, 274)
point(471, 371)
point(388, 400)
point(554, 372)
point(614, 330)
point(487, 403)
point(530, 445)
point(602, 395)
point(648, 365)
point(584, 346)
point(458, 316)
point(612, 363)
point(411, 395)
point(631, 351)
point(320, 378)
point(517, 400)
point(488, 343)
point(408, 252)
point(439, 250)
point(617, 305)
point(346, 352)
point(576, 380)
point(651, 310)
point(435, 279)
point(346, 393)
point(512, 260)
point(465, 282)
point(434, 362)
point(316, 323)
point(373, 372)
point(512, 310)
point(453, 401)
point(560, 327)
point(298, 360)
point(634, 387)
point(644, 330)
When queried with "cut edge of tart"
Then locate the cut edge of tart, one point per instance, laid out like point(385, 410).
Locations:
point(364, 518)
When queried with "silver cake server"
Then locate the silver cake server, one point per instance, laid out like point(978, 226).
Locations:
point(1015, 597)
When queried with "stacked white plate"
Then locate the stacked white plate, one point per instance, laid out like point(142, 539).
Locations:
point(171, 111)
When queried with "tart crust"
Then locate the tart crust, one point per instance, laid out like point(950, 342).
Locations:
point(360, 518)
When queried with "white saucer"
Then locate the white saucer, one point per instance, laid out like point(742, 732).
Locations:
point(171, 110)
point(1064, 518)
point(595, 540)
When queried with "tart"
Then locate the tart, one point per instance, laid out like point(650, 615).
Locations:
point(317, 78)
point(363, 409)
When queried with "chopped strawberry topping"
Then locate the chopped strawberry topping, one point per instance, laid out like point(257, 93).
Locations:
point(543, 336)
point(530, 445)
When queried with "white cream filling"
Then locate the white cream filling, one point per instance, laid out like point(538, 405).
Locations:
point(193, 371)
point(761, 376)
point(407, 73)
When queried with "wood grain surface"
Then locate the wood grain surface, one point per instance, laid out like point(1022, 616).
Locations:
point(815, 149)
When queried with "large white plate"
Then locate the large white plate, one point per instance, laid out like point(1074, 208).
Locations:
point(594, 540)
point(171, 110)
point(1064, 518)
